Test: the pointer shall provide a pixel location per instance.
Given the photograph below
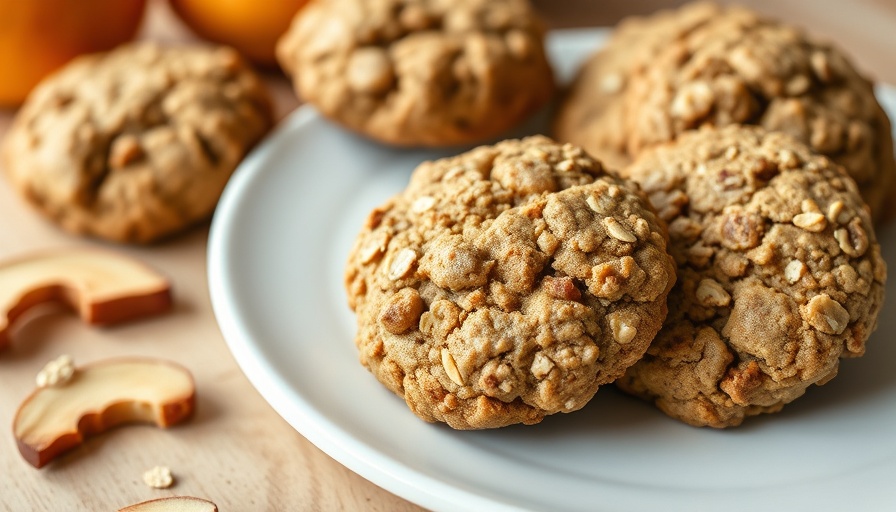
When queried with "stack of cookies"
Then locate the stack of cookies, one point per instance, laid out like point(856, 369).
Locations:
point(720, 261)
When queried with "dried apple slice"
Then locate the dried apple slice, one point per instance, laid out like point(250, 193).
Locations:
point(173, 504)
point(98, 397)
point(102, 286)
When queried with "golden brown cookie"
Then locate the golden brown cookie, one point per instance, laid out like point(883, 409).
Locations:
point(138, 143)
point(708, 65)
point(507, 283)
point(592, 110)
point(779, 274)
point(419, 72)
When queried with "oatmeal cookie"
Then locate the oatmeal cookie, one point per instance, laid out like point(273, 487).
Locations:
point(591, 112)
point(779, 274)
point(138, 143)
point(419, 72)
point(709, 65)
point(507, 283)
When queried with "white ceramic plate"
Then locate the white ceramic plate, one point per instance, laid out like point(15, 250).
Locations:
point(277, 247)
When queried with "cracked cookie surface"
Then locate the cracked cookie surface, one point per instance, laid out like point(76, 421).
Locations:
point(419, 72)
point(138, 143)
point(779, 274)
point(706, 65)
point(507, 283)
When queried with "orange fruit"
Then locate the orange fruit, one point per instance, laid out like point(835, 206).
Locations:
point(37, 37)
point(250, 26)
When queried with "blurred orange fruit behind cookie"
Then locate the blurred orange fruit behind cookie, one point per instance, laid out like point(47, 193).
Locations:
point(39, 36)
point(250, 26)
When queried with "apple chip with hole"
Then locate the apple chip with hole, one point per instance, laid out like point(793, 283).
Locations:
point(98, 397)
point(104, 287)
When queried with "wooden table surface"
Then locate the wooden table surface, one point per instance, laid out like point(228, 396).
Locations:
point(237, 451)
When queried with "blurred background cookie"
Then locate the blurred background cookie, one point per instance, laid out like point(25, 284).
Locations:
point(507, 284)
point(591, 113)
point(779, 274)
point(710, 65)
point(136, 144)
point(420, 72)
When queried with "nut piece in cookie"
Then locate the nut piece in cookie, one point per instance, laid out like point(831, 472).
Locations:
point(136, 144)
point(706, 65)
point(779, 274)
point(419, 72)
point(507, 283)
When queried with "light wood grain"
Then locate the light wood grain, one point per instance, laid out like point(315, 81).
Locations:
point(237, 451)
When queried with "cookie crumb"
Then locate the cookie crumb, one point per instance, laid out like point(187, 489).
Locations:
point(159, 477)
point(541, 365)
point(710, 293)
point(57, 372)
